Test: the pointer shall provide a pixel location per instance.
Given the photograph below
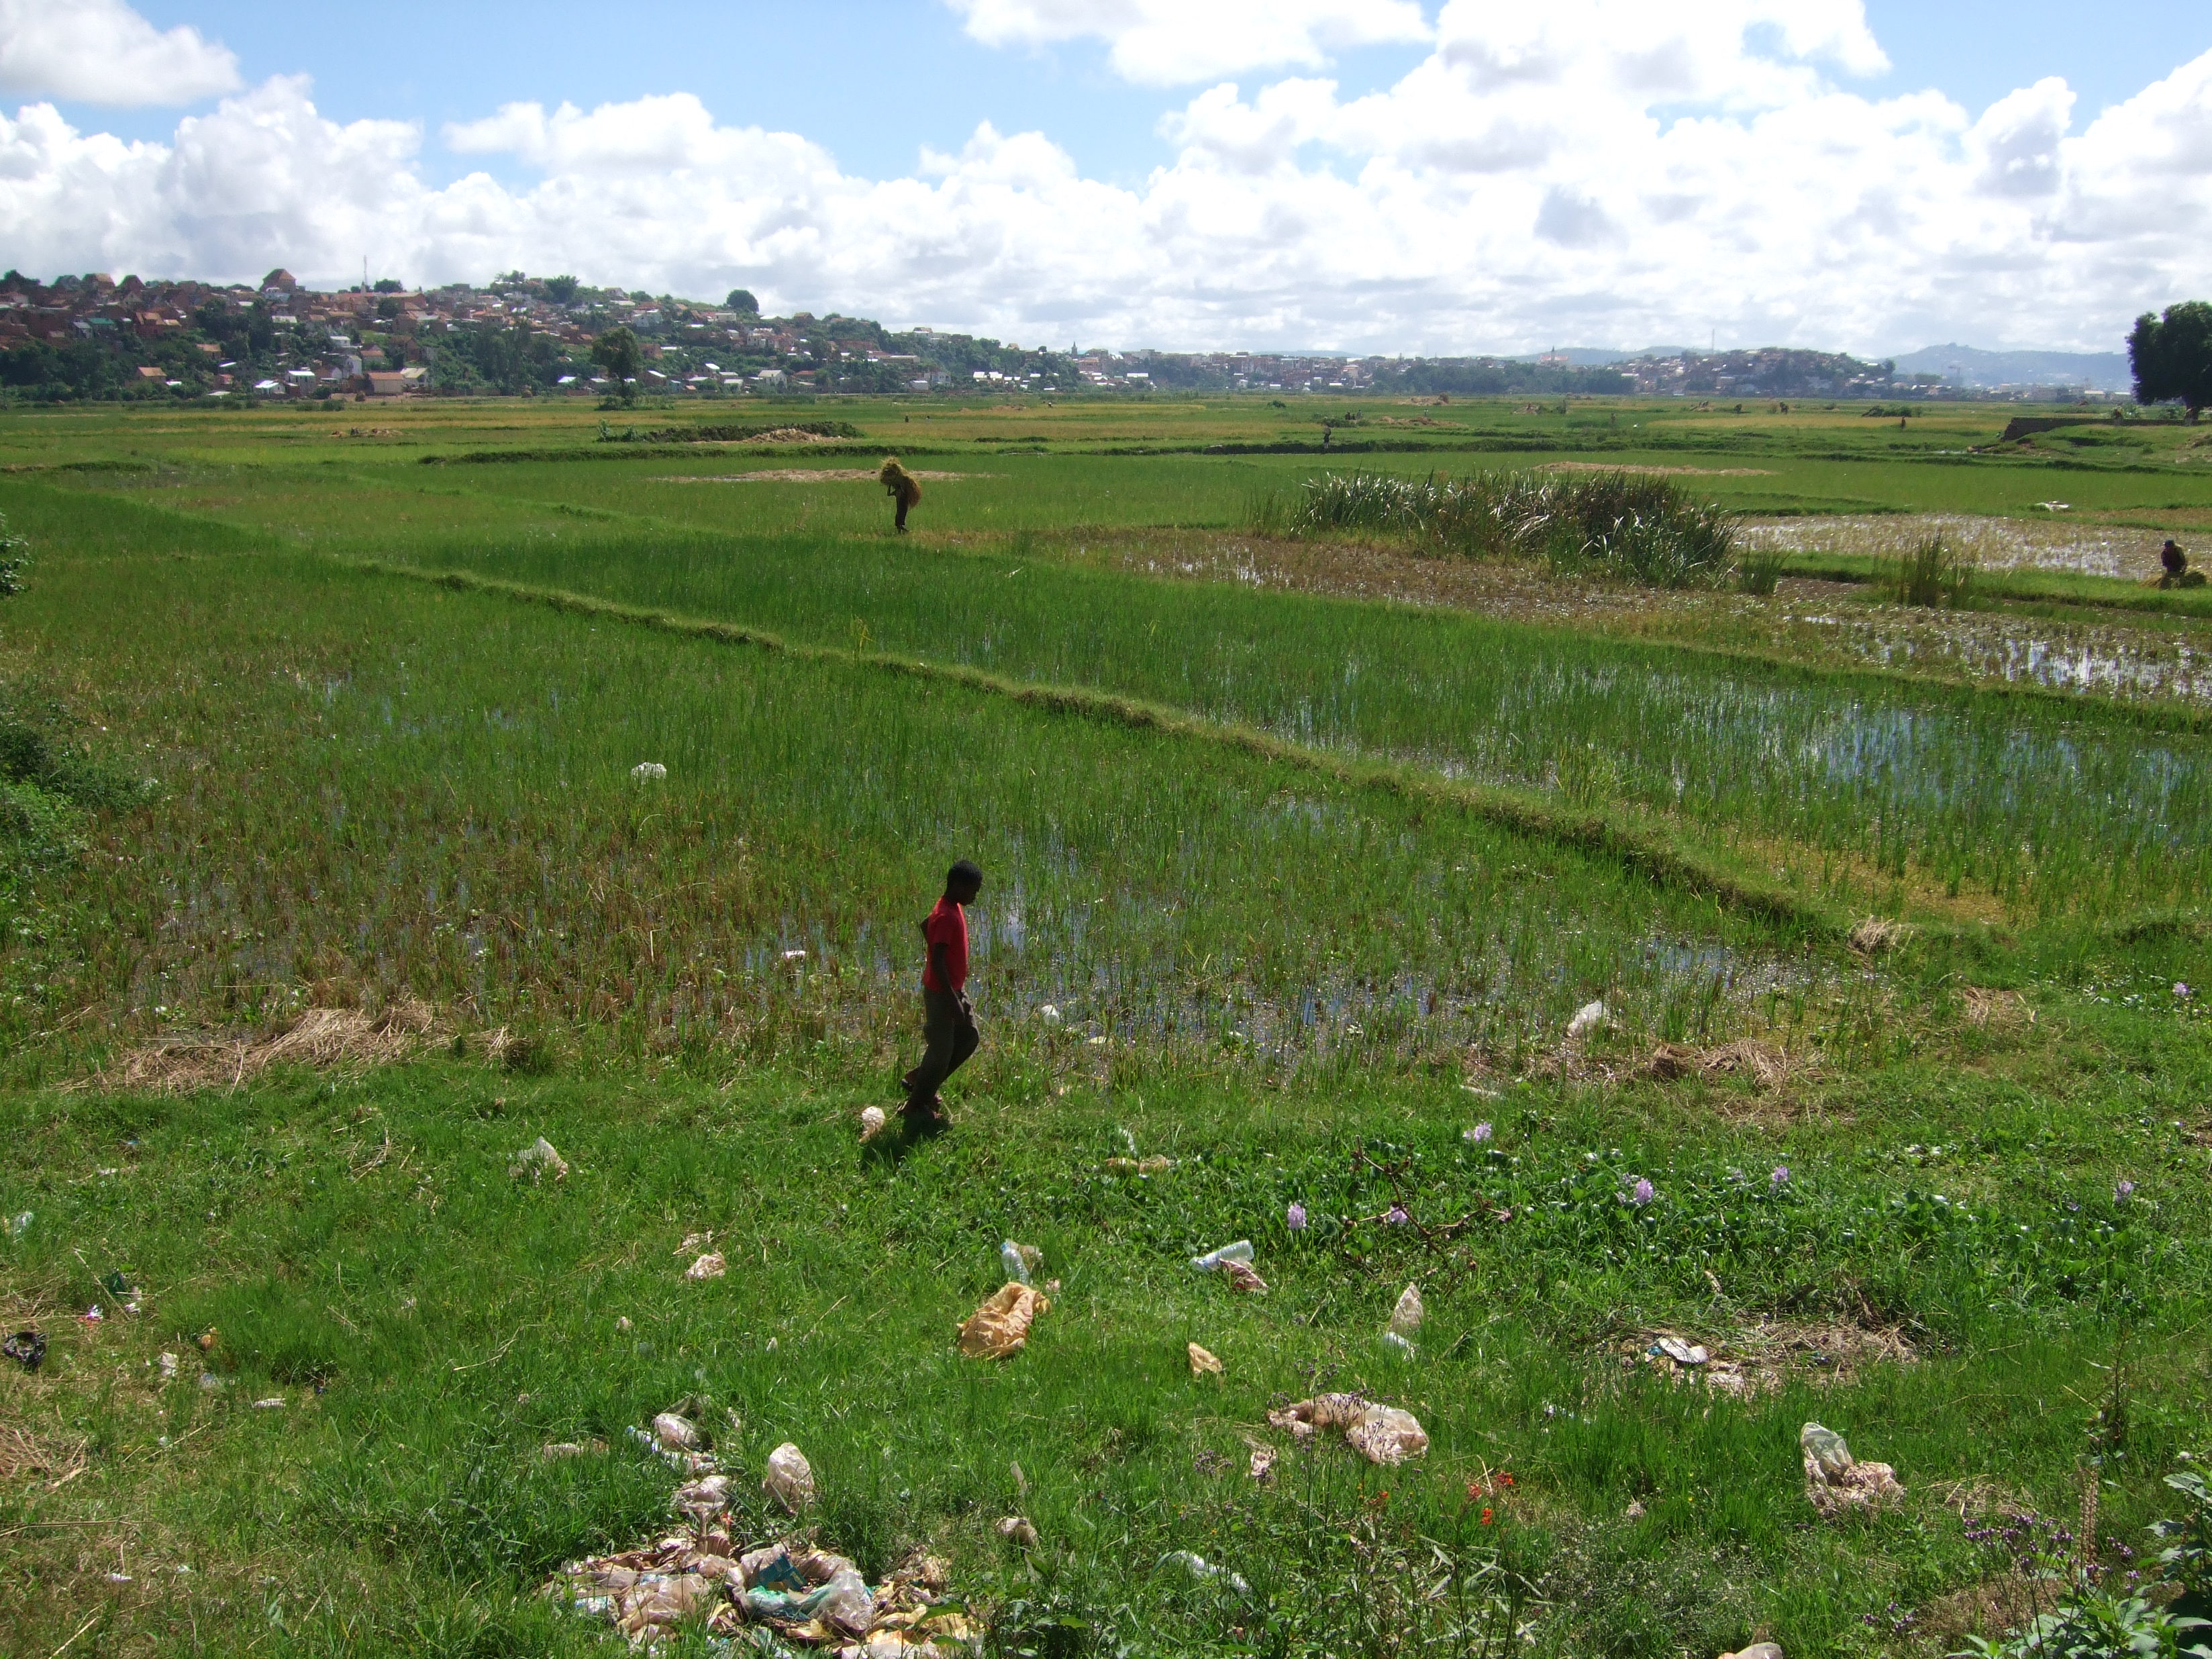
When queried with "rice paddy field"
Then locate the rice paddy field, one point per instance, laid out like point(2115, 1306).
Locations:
point(1764, 965)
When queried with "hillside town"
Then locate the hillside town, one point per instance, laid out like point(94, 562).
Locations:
point(92, 337)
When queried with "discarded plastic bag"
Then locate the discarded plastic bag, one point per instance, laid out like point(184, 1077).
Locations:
point(1017, 1529)
point(1387, 1435)
point(1380, 1434)
point(709, 1265)
point(1682, 1353)
point(701, 1498)
point(1000, 1327)
point(1212, 1261)
point(872, 1123)
point(1405, 1318)
point(1200, 1568)
point(538, 1160)
point(27, 1348)
point(790, 1478)
point(1835, 1481)
point(1020, 1260)
point(1590, 1017)
point(678, 1432)
point(822, 1586)
point(1139, 1166)
point(1243, 1277)
point(1203, 1364)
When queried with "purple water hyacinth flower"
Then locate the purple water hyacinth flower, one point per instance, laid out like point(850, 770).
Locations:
point(2181, 990)
point(2123, 1192)
point(1642, 1193)
point(1397, 1217)
point(1480, 1132)
point(1295, 1218)
point(1780, 1178)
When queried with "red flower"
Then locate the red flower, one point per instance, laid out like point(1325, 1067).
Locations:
point(1486, 1517)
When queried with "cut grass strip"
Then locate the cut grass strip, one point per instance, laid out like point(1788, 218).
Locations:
point(1648, 850)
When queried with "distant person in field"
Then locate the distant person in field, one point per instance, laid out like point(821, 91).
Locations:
point(948, 1018)
point(902, 486)
point(2172, 557)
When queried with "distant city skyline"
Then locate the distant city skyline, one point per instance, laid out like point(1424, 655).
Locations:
point(1343, 175)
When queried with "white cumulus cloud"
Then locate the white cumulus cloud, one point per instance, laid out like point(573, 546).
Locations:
point(1172, 42)
point(102, 52)
point(1598, 172)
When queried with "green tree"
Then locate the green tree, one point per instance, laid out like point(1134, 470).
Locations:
point(388, 285)
point(616, 352)
point(2172, 356)
point(561, 289)
point(741, 300)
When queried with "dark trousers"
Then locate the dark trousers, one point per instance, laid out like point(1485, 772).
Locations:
point(949, 1041)
point(902, 505)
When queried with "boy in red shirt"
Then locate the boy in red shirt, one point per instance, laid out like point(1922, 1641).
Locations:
point(948, 1018)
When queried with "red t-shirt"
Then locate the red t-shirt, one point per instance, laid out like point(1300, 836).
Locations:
point(947, 926)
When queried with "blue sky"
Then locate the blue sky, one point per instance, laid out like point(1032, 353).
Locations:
point(873, 81)
point(1415, 175)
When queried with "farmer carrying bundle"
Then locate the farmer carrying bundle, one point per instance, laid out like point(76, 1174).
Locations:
point(900, 485)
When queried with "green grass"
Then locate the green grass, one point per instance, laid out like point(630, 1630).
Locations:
point(2050, 808)
point(1326, 876)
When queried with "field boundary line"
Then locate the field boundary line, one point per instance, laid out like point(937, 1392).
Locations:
point(1650, 853)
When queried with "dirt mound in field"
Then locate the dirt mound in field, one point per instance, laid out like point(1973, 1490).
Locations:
point(787, 435)
point(319, 1038)
point(1767, 1066)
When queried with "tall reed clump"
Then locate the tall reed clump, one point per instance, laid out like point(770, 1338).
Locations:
point(1646, 529)
point(1934, 573)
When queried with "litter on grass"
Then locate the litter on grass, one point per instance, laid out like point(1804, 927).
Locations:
point(1240, 1251)
point(1590, 1017)
point(1000, 1327)
point(1203, 1364)
point(790, 1478)
point(872, 1123)
point(1836, 1481)
point(649, 771)
point(1201, 1569)
point(709, 1265)
point(1139, 1167)
point(781, 1592)
point(1262, 1467)
point(537, 1160)
point(1020, 1260)
point(683, 1462)
point(1380, 1434)
point(27, 1348)
point(1017, 1529)
point(1405, 1318)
